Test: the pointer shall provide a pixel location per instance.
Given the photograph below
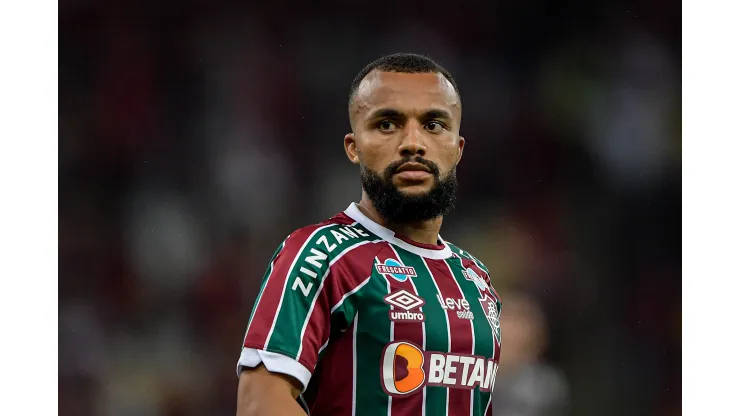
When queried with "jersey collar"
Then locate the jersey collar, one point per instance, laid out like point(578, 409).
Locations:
point(435, 254)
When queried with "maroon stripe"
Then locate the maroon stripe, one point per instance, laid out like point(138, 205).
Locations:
point(412, 332)
point(267, 308)
point(461, 335)
point(467, 263)
point(344, 276)
point(343, 219)
point(330, 389)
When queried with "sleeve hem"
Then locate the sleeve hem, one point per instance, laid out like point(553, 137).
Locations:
point(274, 362)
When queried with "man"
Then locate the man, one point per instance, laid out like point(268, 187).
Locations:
point(372, 312)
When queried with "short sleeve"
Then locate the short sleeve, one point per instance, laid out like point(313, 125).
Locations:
point(303, 297)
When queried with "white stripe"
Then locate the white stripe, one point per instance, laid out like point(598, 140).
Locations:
point(305, 404)
point(350, 293)
point(353, 212)
point(449, 339)
point(472, 401)
point(287, 277)
point(472, 329)
point(388, 285)
point(341, 301)
point(259, 298)
point(423, 336)
point(318, 292)
point(323, 347)
point(354, 366)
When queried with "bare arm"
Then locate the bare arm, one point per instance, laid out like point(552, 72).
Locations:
point(264, 393)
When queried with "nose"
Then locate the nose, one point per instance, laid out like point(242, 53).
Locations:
point(412, 143)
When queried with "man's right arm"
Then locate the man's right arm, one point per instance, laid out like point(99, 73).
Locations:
point(272, 373)
point(293, 317)
point(262, 392)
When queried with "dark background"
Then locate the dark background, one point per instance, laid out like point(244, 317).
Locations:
point(194, 136)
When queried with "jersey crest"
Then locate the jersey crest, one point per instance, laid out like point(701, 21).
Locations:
point(487, 300)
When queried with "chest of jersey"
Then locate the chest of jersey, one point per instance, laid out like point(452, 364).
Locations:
point(425, 324)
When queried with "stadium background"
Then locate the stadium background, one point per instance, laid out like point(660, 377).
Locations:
point(194, 136)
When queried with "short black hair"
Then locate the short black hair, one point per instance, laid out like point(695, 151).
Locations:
point(407, 63)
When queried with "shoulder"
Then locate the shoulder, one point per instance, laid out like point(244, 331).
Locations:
point(475, 268)
point(337, 247)
point(466, 255)
point(329, 239)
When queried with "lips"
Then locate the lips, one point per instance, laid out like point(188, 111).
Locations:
point(413, 167)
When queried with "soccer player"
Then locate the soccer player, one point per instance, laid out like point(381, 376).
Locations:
point(371, 312)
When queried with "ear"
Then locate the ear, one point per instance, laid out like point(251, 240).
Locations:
point(461, 145)
point(350, 147)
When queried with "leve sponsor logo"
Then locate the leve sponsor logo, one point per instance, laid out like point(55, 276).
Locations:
point(460, 306)
point(406, 368)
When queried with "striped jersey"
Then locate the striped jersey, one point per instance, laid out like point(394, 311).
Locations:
point(371, 323)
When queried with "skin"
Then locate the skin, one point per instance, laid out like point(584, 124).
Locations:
point(261, 392)
point(393, 115)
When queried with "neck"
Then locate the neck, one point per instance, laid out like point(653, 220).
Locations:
point(424, 232)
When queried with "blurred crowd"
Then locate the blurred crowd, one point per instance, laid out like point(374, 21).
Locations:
point(195, 136)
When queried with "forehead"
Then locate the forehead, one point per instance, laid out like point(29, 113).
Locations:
point(406, 92)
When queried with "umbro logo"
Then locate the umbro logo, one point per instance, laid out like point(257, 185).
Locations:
point(404, 300)
point(409, 304)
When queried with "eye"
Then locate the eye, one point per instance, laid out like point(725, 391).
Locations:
point(435, 126)
point(386, 125)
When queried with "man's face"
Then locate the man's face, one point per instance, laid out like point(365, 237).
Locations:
point(406, 140)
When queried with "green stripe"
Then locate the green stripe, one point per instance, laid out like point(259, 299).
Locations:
point(481, 327)
point(265, 278)
point(342, 317)
point(373, 329)
point(435, 322)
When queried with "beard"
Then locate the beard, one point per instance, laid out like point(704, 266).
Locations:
point(397, 207)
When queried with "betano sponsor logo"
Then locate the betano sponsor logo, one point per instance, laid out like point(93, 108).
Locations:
point(406, 368)
point(409, 304)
